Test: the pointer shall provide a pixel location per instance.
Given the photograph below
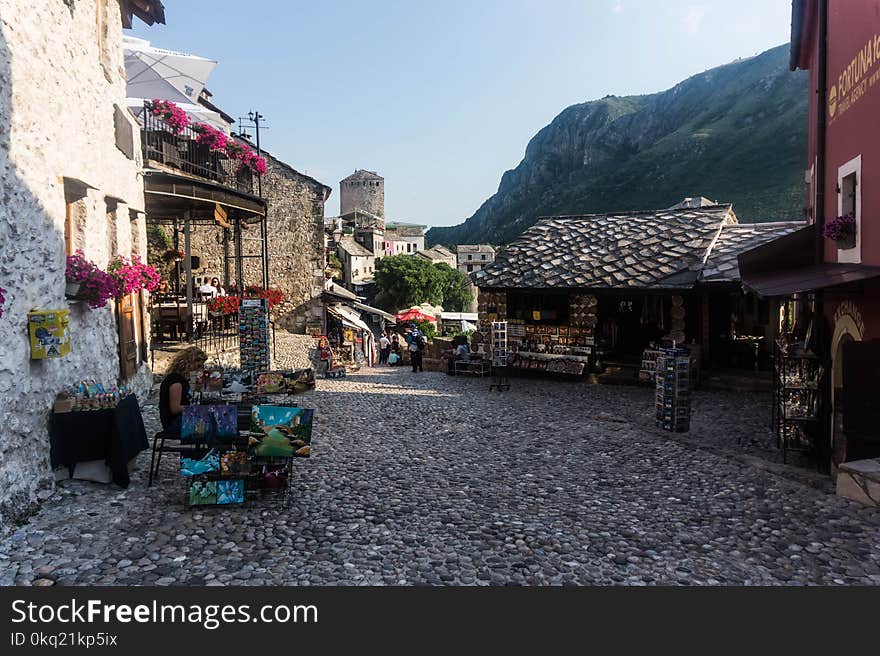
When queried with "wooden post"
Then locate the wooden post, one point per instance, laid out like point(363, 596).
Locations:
point(189, 279)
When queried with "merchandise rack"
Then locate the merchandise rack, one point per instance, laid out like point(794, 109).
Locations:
point(673, 395)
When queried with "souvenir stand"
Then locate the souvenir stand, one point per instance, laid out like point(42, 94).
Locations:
point(673, 389)
point(537, 344)
point(245, 430)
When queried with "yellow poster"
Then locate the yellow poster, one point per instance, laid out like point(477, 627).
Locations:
point(49, 333)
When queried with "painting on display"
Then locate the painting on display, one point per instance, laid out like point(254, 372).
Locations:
point(285, 431)
point(195, 423)
point(202, 493)
point(195, 466)
point(230, 491)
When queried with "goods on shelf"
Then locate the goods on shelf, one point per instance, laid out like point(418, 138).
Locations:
point(673, 396)
point(253, 329)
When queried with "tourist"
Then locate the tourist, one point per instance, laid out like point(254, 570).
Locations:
point(215, 283)
point(416, 341)
point(326, 355)
point(174, 392)
point(164, 287)
point(208, 290)
point(384, 349)
point(394, 358)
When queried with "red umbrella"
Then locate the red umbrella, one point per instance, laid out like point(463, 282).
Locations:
point(414, 315)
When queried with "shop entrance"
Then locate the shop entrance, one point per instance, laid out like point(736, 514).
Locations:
point(629, 323)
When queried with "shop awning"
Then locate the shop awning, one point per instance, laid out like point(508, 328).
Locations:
point(786, 282)
point(371, 310)
point(785, 266)
point(348, 317)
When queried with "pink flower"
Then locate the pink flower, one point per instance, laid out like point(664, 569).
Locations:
point(840, 228)
point(2, 300)
point(211, 137)
point(174, 116)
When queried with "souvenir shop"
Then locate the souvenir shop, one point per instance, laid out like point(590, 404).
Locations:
point(351, 338)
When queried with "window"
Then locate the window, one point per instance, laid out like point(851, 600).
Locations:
point(75, 216)
point(470, 267)
point(849, 201)
point(470, 257)
point(483, 256)
point(112, 231)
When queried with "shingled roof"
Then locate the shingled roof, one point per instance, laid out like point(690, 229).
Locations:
point(362, 174)
point(662, 249)
point(736, 238)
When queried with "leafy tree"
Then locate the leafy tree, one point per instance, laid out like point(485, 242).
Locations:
point(404, 280)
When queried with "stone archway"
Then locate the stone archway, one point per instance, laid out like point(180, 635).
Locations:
point(848, 327)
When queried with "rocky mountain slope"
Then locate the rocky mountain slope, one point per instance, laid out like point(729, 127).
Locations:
point(736, 133)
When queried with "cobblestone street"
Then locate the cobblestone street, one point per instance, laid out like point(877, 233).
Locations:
point(429, 479)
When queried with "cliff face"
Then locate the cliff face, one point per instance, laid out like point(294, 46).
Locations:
point(736, 133)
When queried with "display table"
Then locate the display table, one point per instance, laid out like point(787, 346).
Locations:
point(115, 436)
point(472, 367)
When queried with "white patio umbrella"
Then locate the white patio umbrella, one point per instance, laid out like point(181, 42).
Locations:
point(164, 74)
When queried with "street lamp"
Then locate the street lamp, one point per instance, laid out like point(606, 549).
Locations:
point(337, 235)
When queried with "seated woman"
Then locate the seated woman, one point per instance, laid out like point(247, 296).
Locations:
point(174, 392)
point(215, 283)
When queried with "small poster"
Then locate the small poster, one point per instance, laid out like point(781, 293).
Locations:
point(49, 334)
point(202, 493)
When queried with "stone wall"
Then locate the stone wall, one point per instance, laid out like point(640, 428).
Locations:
point(61, 73)
point(296, 244)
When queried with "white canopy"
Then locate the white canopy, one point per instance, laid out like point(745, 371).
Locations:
point(164, 74)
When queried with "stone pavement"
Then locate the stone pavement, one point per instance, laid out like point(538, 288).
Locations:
point(428, 479)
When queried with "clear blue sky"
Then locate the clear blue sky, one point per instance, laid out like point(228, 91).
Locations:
point(442, 97)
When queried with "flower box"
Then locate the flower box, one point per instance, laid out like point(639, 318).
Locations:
point(842, 229)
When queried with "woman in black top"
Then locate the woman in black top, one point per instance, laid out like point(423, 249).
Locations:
point(174, 392)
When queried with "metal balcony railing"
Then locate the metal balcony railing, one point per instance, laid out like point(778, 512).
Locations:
point(181, 151)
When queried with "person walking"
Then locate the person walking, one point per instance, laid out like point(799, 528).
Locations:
point(415, 339)
point(384, 349)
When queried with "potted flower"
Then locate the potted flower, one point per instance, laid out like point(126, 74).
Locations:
point(2, 300)
point(76, 274)
point(211, 137)
point(173, 256)
point(133, 275)
point(842, 229)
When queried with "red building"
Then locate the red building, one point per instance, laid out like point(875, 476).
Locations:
point(837, 282)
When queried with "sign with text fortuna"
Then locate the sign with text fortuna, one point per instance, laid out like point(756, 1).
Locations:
point(860, 75)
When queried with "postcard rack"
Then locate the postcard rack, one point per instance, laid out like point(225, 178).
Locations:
point(673, 390)
point(499, 356)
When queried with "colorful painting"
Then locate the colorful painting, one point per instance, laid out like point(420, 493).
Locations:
point(286, 431)
point(224, 420)
point(231, 491)
point(234, 462)
point(202, 493)
point(195, 423)
point(193, 466)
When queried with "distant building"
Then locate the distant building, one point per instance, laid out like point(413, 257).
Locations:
point(439, 255)
point(358, 263)
point(474, 257)
point(363, 190)
point(405, 238)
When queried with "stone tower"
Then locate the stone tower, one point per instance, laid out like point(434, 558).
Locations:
point(362, 190)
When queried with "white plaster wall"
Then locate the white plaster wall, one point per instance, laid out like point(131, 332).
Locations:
point(56, 121)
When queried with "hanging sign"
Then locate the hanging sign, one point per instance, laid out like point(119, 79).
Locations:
point(220, 216)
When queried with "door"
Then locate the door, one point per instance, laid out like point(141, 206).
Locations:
point(128, 351)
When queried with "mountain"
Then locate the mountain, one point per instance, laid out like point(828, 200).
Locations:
point(736, 133)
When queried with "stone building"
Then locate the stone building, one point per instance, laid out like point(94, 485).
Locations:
point(358, 263)
point(404, 238)
point(362, 190)
point(474, 257)
point(70, 179)
point(439, 255)
point(295, 227)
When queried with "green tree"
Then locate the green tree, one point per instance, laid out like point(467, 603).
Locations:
point(405, 280)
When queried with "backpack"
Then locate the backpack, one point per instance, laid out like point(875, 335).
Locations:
point(422, 343)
